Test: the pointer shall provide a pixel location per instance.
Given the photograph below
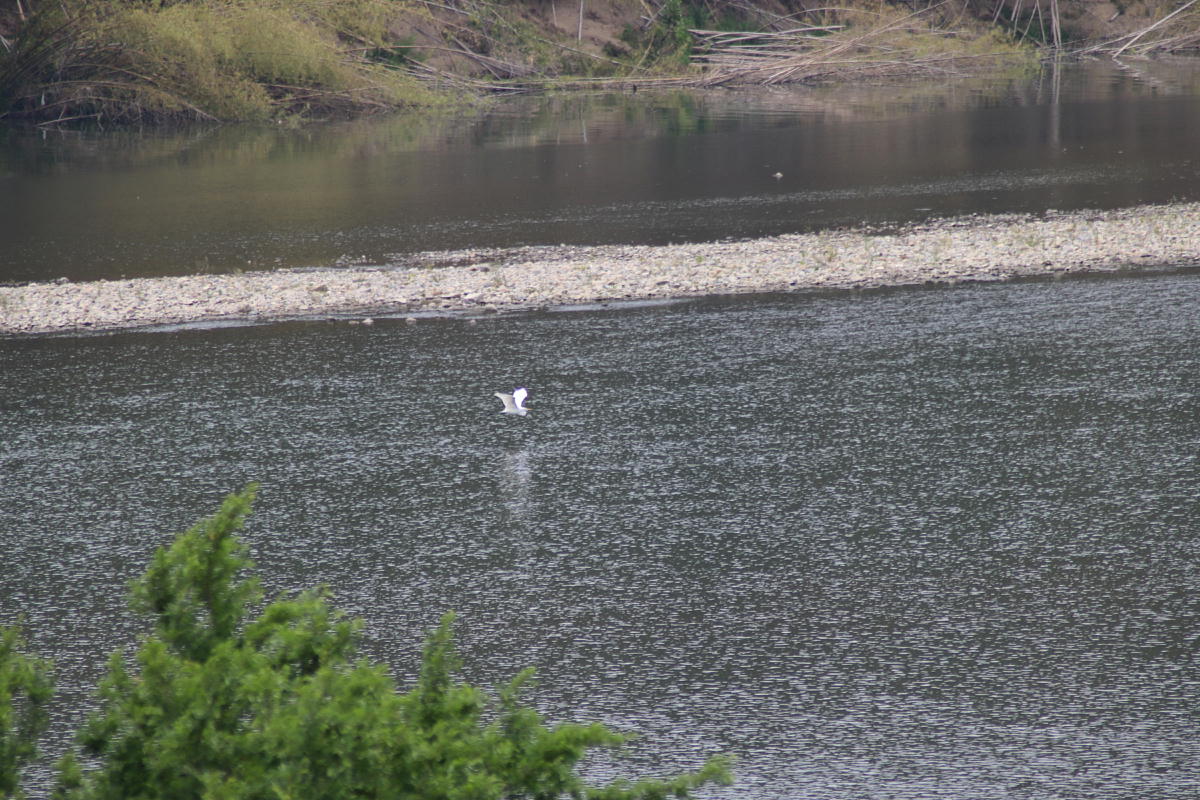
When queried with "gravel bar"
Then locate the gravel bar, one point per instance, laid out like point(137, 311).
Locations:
point(972, 248)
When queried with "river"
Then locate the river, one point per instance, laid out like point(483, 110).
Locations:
point(621, 169)
point(910, 543)
point(919, 543)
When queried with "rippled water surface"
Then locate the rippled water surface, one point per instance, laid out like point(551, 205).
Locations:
point(905, 544)
point(639, 168)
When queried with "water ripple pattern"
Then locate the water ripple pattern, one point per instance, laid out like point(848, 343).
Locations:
point(901, 544)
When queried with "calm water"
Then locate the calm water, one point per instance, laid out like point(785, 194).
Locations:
point(595, 170)
point(905, 544)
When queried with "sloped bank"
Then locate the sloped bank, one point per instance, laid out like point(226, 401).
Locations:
point(975, 248)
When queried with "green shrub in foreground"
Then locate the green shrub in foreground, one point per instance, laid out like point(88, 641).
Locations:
point(221, 704)
point(25, 688)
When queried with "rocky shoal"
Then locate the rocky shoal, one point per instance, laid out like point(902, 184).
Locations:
point(975, 248)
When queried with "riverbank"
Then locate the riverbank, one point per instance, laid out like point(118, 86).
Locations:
point(169, 63)
point(975, 248)
point(78, 61)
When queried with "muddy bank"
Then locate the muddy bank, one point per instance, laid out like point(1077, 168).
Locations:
point(976, 248)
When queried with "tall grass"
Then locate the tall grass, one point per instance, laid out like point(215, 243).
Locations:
point(131, 60)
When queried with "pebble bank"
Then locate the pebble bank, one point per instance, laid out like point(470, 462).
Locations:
point(974, 248)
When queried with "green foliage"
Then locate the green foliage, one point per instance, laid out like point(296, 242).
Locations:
point(667, 42)
point(221, 704)
point(192, 588)
point(25, 688)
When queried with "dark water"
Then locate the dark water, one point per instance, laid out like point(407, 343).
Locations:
point(573, 169)
point(905, 544)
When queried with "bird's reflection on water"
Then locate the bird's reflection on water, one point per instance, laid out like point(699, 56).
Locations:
point(515, 477)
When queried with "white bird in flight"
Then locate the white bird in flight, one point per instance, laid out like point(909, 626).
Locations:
point(514, 403)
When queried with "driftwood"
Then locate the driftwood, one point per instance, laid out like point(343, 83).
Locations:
point(706, 40)
point(434, 75)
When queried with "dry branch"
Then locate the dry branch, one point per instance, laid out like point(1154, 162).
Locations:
point(498, 68)
point(1186, 39)
point(1174, 13)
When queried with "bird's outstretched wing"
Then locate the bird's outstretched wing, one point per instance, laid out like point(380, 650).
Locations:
point(509, 406)
point(519, 396)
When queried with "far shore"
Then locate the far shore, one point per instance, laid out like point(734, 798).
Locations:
point(952, 250)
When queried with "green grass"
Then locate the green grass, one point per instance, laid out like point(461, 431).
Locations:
point(205, 59)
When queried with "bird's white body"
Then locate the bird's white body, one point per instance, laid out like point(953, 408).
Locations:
point(514, 403)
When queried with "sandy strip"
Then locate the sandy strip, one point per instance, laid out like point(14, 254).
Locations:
point(976, 248)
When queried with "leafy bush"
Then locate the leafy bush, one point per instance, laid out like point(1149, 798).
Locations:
point(667, 41)
point(25, 688)
point(220, 703)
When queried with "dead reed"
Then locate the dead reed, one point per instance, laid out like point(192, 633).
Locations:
point(818, 44)
point(1176, 32)
point(856, 42)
